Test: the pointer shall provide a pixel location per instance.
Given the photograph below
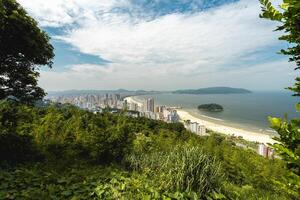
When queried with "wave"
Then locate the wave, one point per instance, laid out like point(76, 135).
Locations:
point(206, 116)
point(221, 120)
point(270, 130)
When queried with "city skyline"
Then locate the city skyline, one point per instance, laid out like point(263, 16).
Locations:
point(116, 103)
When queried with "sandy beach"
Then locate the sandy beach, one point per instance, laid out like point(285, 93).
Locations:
point(228, 130)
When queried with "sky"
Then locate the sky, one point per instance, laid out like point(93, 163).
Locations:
point(160, 45)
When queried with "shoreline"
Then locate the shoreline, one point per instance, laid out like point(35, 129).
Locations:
point(227, 130)
point(248, 135)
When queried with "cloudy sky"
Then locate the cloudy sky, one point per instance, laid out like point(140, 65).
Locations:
point(160, 44)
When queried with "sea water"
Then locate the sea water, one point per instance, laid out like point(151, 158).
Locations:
point(247, 111)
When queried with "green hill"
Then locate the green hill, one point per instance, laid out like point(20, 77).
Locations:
point(63, 152)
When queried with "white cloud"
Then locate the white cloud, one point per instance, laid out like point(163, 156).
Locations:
point(170, 49)
point(90, 68)
point(57, 13)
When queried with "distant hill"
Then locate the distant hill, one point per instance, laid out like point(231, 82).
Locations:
point(214, 90)
point(123, 92)
point(85, 92)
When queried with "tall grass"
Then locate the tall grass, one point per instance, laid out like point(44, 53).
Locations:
point(183, 168)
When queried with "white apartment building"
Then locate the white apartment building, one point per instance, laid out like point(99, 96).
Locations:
point(195, 127)
point(265, 151)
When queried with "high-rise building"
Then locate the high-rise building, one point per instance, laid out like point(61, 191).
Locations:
point(117, 96)
point(125, 104)
point(150, 105)
point(166, 114)
point(173, 116)
point(159, 109)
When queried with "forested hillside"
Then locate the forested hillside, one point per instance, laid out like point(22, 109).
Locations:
point(62, 152)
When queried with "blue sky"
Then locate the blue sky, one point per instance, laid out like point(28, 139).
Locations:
point(160, 44)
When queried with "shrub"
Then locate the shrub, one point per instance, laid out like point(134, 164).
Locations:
point(16, 149)
point(184, 168)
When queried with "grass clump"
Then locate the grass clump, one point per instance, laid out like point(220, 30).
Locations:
point(181, 168)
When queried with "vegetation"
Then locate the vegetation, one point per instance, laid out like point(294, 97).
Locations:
point(60, 151)
point(214, 90)
point(288, 130)
point(289, 18)
point(23, 47)
point(212, 107)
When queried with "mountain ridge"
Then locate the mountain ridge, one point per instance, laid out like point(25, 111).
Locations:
point(214, 90)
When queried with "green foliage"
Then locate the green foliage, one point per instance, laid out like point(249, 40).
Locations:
point(39, 182)
point(23, 47)
point(136, 187)
point(81, 182)
point(15, 117)
point(289, 17)
point(244, 170)
point(289, 149)
point(158, 160)
point(183, 168)
point(269, 11)
point(68, 133)
point(289, 140)
point(17, 149)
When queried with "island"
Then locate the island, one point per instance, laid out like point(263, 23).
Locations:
point(212, 107)
point(213, 90)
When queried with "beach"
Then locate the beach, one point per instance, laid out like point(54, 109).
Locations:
point(248, 135)
point(228, 130)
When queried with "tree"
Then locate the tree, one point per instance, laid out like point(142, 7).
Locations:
point(289, 131)
point(24, 47)
point(290, 24)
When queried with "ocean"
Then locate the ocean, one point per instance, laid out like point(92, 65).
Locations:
point(246, 111)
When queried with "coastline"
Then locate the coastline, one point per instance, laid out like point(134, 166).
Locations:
point(220, 128)
point(228, 130)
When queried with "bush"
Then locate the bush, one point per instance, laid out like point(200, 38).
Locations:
point(44, 182)
point(16, 149)
point(184, 168)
